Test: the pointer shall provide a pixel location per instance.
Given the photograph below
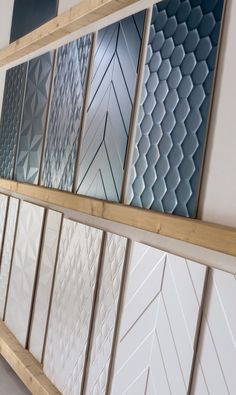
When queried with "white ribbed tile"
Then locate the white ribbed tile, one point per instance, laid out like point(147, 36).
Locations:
point(3, 212)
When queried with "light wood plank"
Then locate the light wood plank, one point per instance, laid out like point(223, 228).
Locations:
point(211, 236)
point(24, 365)
point(76, 18)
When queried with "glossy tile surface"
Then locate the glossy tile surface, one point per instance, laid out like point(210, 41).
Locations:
point(159, 324)
point(34, 119)
point(7, 251)
point(24, 266)
point(72, 303)
point(65, 114)
point(44, 283)
point(175, 104)
point(103, 150)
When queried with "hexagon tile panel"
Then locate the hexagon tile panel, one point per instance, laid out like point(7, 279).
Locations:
point(72, 304)
point(34, 119)
point(175, 103)
point(65, 114)
point(159, 323)
point(103, 149)
point(11, 118)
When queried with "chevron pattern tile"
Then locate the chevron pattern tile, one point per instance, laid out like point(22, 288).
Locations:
point(65, 114)
point(24, 266)
point(34, 119)
point(72, 303)
point(102, 155)
point(11, 118)
point(105, 318)
point(44, 283)
point(158, 326)
point(175, 104)
point(216, 358)
point(7, 251)
point(3, 213)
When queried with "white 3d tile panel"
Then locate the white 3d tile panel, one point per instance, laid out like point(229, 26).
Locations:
point(24, 265)
point(216, 359)
point(158, 326)
point(3, 212)
point(106, 313)
point(7, 251)
point(72, 302)
point(44, 284)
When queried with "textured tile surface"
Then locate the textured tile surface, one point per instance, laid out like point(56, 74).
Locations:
point(7, 251)
point(158, 325)
point(72, 302)
point(175, 105)
point(11, 118)
point(23, 272)
point(108, 117)
point(44, 284)
point(34, 119)
point(3, 213)
point(216, 359)
point(65, 114)
point(106, 313)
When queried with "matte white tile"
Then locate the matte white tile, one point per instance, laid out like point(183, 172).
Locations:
point(24, 265)
point(7, 251)
point(44, 283)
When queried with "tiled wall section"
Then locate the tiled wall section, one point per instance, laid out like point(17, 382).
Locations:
point(175, 103)
point(24, 268)
point(3, 212)
point(103, 150)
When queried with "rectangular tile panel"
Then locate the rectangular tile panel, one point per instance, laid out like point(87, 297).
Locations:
point(24, 266)
point(175, 105)
point(65, 114)
point(158, 324)
point(72, 303)
point(3, 213)
point(105, 317)
point(34, 119)
point(44, 283)
point(103, 150)
point(216, 359)
point(7, 252)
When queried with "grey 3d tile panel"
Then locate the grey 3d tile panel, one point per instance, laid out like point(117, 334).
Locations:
point(103, 150)
point(175, 103)
point(7, 252)
point(72, 302)
point(11, 118)
point(24, 266)
point(65, 114)
point(44, 283)
point(34, 119)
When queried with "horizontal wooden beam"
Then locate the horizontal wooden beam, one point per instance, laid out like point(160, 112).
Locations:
point(211, 236)
point(24, 364)
point(76, 18)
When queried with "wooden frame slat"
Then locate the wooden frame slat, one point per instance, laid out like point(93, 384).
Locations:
point(76, 18)
point(203, 234)
point(24, 364)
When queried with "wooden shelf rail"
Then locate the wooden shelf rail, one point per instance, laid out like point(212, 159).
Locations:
point(24, 364)
point(203, 234)
point(76, 18)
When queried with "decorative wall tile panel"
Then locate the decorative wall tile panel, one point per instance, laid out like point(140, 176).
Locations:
point(158, 326)
point(112, 89)
point(44, 284)
point(11, 118)
point(34, 119)
point(7, 251)
point(175, 103)
point(216, 358)
point(3, 213)
point(72, 303)
point(24, 267)
point(106, 313)
point(65, 114)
